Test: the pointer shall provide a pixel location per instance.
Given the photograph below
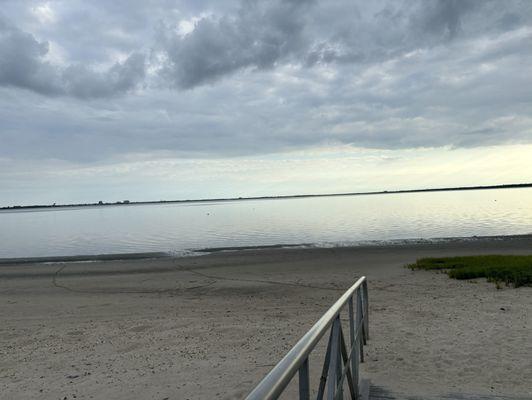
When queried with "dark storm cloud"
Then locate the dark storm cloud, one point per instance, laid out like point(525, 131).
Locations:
point(23, 64)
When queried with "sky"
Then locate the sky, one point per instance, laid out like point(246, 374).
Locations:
point(163, 99)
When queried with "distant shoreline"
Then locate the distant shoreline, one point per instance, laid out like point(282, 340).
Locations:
point(296, 196)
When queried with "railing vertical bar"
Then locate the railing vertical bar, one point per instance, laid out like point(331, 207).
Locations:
point(360, 327)
point(366, 308)
point(333, 365)
point(353, 387)
point(325, 370)
point(356, 345)
point(339, 366)
point(304, 381)
point(351, 321)
point(354, 360)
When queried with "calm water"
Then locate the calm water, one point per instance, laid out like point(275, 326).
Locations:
point(322, 221)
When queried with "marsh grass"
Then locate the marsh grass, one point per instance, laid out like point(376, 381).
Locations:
point(511, 270)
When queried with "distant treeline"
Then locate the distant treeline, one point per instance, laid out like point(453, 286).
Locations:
point(127, 202)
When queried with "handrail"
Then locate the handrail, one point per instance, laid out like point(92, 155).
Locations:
point(296, 359)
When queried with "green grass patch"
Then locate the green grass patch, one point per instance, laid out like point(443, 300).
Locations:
point(511, 270)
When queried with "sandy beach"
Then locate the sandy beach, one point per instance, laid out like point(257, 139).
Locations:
point(211, 327)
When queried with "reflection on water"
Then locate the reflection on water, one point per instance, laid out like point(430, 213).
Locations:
point(324, 220)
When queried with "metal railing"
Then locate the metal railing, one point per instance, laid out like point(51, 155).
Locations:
point(341, 362)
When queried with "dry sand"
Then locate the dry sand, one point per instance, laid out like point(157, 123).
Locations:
point(211, 327)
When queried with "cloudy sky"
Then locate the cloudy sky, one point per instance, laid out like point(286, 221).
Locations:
point(164, 99)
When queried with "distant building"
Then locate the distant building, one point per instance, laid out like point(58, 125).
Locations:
point(100, 202)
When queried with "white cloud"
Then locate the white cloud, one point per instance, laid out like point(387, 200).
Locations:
point(44, 13)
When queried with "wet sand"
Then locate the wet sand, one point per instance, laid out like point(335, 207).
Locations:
point(211, 327)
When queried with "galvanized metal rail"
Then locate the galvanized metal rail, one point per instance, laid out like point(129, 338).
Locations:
point(341, 363)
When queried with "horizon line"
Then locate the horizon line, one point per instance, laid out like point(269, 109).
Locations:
point(271, 197)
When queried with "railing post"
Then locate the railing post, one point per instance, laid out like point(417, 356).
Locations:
point(332, 379)
point(325, 370)
point(366, 308)
point(304, 381)
point(339, 366)
point(347, 372)
point(360, 326)
point(352, 348)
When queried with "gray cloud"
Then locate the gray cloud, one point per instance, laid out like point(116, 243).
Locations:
point(260, 35)
point(21, 62)
point(83, 82)
point(444, 17)
point(261, 77)
point(23, 65)
point(251, 35)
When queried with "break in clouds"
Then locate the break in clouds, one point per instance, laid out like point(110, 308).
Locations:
point(85, 81)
